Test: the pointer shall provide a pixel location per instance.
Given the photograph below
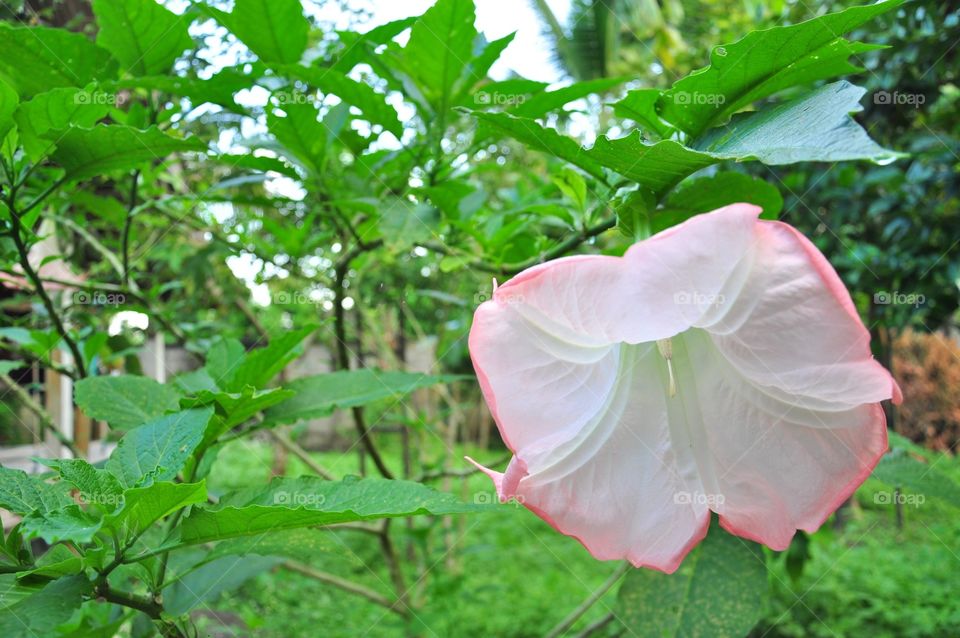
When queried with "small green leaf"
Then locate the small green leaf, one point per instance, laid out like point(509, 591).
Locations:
point(704, 194)
point(143, 35)
point(300, 133)
point(96, 486)
point(158, 450)
point(573, 186)
point(86, 152)
point(900, 469)
point(260, 366)
point(308, 501)
point(67, 524)
point(125, 401)
point(718, 591)
point(320, 395)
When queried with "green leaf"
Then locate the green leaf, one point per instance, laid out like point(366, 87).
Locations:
point(234, 408)
point(361, 95)
point(143, 35)
point(125, 401)
point(300, 132)
point(21, 493)
point(40, 612)
point(58, 561)
point(223, 358)
point(320, 395)
point(479, 66)
point(543, 103)
point(289, 503)
point(440, 44)
point(86, 152)
point(158, 450)
point(42, 119)
point(8, 104)
point(260, 366)
point(719, 591)
point(37, 59)
point(206, 583)
point(763, 63)
point(96, 486)
point(275, 30)
point(640, 106)
point(704, 194)
point(815, 127)
point(143, 506)
point(217, 89)
point(67, 524)
point(573, 186)
point(901, 469)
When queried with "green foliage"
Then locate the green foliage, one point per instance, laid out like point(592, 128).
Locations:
point(275, 30)
point(716, 592)
point(37, 59)
point(142, 35)
point(125, 401)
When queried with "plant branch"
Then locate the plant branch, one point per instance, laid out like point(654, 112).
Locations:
point(348, 586)
point(46, 421)
point(590, 600)
point(301, 454)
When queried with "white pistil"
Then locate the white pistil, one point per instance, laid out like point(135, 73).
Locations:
point(665, 346)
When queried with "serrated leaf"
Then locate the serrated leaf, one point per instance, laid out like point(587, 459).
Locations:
point(125, 401)
point(37, 59)
point(320, 395)
point(815, 127)
point(143, 35)
point(158, 450)
point(96, 486)
point(85, 152)
point(21, 493)
point(718, 591)
point(275, 30)
point(289, 503)
point(764, 62)
point(143, 506)
point(66, 524)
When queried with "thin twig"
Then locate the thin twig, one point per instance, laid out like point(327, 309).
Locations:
point(346, 585)
point(590, 600)
point(46, 421)
point(301, 454)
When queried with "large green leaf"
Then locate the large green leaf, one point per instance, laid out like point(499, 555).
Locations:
point(143, 506)
point(320, 395)
point(39, 612)
point(289, 503)
point(143, 35)
point(8, 104)
point(275, 30)
point(704, 194)
point(815, 127)
point(440, 45)
point(718, 591)
point(37, 59)
point(260, 366)
point(21, 493)
point(361, 95)
point(42, 119)
point(86, 152)
point(158, 450)
point(125, 401)
point(763, 63)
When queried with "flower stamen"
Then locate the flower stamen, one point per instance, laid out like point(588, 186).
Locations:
point(665, 347)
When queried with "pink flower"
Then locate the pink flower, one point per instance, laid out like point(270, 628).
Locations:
point(717, 366)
